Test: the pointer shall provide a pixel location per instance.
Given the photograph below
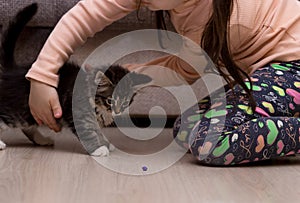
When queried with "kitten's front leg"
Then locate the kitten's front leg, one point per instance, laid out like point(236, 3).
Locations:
point(2, 145)
point(3, 127)
point(86, 122)
point(36, 137)
point(104, 116)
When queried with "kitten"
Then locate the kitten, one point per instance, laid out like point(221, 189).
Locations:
point(105, 93)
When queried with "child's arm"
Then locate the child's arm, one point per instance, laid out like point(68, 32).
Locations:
point(183, 68)
point(82, 21)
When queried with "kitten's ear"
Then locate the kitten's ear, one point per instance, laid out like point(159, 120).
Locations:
point(139, 79)
point(101, 79)
point(97, 75)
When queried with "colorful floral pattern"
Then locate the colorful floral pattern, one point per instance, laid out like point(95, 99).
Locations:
point(225, 134)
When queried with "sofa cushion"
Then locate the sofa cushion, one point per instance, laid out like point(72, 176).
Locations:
point(50, 11)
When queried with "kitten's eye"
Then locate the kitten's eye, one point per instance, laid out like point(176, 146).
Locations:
point(110, 101)
point(126, 103)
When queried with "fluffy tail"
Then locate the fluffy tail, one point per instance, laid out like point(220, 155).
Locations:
point(12, 32)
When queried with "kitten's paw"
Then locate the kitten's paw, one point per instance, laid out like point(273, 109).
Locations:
point(101, 151)
point(2, 145)
point(44, 141)
point(111, 147)
point(36, 137)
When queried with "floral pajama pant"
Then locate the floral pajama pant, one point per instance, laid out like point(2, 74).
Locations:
point(225, 131)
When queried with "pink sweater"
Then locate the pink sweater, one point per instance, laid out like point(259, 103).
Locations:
point(261, 31)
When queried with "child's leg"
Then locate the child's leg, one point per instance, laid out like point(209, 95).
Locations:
point(248, 136)
point(257, 139)
point(185, 123)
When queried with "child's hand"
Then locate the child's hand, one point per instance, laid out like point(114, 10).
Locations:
point(44, 105)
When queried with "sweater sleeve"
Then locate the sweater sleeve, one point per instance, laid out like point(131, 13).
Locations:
point(184, 67)
point(82, 21)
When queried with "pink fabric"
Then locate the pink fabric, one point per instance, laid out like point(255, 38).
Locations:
point(261, 31)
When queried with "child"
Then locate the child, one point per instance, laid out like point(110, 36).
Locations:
point(257, 41)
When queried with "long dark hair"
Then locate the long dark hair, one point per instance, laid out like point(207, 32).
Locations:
point(215, 43)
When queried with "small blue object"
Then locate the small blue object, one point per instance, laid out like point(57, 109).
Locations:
point(144, 168)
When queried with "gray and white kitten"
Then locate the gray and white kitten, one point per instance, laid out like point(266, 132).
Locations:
point(105, 93)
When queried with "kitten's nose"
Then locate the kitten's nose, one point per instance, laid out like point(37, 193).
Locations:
point(114, 113)
point(116, 110)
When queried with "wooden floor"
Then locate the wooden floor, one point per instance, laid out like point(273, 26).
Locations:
point(64, 173)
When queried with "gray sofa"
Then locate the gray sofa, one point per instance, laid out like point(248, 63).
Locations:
point(50, 12)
